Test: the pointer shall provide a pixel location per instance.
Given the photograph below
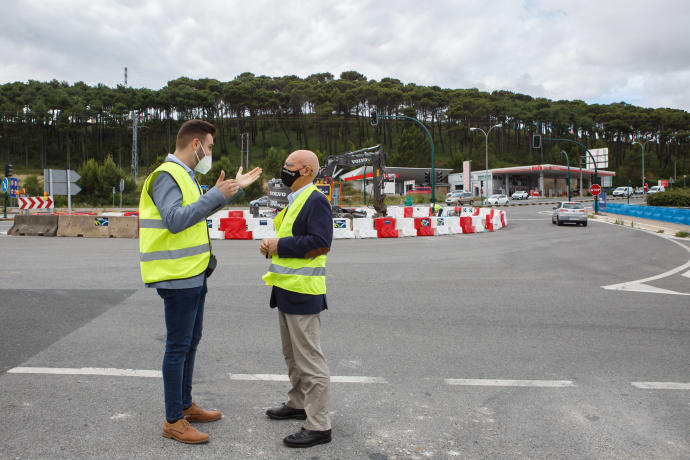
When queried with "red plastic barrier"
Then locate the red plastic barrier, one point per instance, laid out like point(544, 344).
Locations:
point(423, 226)
point(131, 213)
point(233, 224)
point(238, 235)
point(235, 214)
point(408, 212)
point(385, 227)
point(489, 225)
point(476, 212)
point(503, 218)
point(466, 224)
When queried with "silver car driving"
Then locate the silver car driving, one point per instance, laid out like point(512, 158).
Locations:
point(569, 212)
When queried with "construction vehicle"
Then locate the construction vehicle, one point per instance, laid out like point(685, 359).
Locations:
point(278, 192)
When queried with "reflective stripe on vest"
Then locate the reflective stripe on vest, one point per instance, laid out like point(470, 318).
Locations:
point(306, 276)
point(164, 255)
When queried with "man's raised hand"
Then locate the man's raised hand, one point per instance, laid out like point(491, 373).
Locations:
point(227, 187)
point(245, 180)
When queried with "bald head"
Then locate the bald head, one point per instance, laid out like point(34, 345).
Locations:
point(307, 163)
point(305, 158)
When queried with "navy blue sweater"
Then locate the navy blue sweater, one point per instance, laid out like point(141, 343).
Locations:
point(312, 235)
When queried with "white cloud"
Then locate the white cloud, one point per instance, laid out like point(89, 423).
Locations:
point(607, 51)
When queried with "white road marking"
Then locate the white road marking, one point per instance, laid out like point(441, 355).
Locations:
point(511, 383)
point(639, 286)
point(110, 372)
point(284, 378)
point(661, 385)
point(687, 274)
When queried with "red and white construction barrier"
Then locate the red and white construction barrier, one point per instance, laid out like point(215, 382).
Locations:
point(35, 202)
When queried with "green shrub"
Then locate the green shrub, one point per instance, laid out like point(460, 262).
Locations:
point(677, 197)
point(32, 186)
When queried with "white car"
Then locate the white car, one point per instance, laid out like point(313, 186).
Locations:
point(569, 211)
point(623, 191)
point(656, 189)
point(496, 200)
point(520, 195)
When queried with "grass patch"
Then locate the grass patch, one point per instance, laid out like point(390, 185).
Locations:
point(682, 234)
point(660, 231)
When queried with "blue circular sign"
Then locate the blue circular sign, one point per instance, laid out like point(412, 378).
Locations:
point(4, 185)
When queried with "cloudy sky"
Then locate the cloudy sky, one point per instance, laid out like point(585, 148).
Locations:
point(600, 51)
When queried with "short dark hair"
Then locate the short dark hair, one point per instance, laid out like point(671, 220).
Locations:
point(191, 129)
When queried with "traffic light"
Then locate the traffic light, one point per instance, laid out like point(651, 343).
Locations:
point(374, 120)
point(439, 176)
point(536, 141)
point(8, 170)
point(427, 177)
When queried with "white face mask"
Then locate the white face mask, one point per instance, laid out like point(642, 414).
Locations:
point(204, 165)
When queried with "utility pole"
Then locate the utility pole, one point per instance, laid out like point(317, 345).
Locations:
point(244, 150)
point(135, 140)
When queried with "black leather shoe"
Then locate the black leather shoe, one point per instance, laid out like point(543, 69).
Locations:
point(307, 438)
point(284, 412)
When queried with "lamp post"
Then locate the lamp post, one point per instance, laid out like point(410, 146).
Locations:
point(642, 144)
point(570, 195)
point(486, 161)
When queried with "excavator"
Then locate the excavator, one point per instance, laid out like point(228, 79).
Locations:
point(278, 192)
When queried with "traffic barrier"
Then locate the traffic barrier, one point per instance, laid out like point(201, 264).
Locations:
point(235, 228)
point(423, 226)
point(385, 227)
point(466, 224)
point(261, 228)
point(124, 227)
point(216, 234)
point(34, 226)
point(439, 225)
point(98, 226)
point(673, 215)
point(405, 227)
point(408, 212)
point(421, 211)
point(131, 213)
point(364, 228)
point(489, 224)
point(342, 228)
point(236, 214)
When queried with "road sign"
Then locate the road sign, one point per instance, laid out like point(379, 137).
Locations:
point(122, 185)
point(35, 202)
point(14, 187)
point(595, 189)
point(55, 182)
point(5, 185)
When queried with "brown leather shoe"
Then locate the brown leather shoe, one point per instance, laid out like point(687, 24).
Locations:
point(184, 432)
point(195, 413)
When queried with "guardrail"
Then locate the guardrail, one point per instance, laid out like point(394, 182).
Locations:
point(673, 215)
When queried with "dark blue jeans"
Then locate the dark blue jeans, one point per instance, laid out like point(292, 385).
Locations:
point(184, 314)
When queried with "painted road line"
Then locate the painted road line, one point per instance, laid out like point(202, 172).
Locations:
point(110, 372)
point(284, 378)
point(661, 385)
point(511, 383)
point(640, 286)
point(687, 274)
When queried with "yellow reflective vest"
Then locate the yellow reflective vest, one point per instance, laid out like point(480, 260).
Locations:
point(306, 276)
point(164, 255)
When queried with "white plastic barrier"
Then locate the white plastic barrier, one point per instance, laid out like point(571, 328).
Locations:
point(453, 224)
point(478, 223)
point(396, 212)
point(371, 212)
point(405, 227)
point(216, 234)
point(342, 228)
point(440, 225)
point(364, 228)
point(261, 228)
point(420, 211)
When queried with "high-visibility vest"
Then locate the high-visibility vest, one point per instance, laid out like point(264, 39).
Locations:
point(164, 255)
point(306, 276)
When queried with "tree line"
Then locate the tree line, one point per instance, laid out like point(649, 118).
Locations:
point(56, 124)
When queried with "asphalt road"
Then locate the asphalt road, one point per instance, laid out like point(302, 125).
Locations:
point(422, 316)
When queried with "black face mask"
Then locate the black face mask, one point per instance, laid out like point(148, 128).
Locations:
point(289, 177)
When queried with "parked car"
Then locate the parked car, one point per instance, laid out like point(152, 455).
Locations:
point(496, 200)
point(639, 190)
point(420, 191)
point(520, 195)
point(656, 189)
point(623, 191)
point(261, 201)
point(459, 198)
point(569, 211)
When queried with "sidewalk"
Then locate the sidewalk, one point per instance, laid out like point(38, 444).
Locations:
point(655, 226)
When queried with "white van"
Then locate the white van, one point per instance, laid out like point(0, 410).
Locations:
point(657, 189)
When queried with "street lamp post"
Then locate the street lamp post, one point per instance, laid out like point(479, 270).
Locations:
point(642, 144)
point(486, 160)
point(570, 195)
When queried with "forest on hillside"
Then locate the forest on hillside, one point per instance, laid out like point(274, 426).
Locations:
point(55, 124)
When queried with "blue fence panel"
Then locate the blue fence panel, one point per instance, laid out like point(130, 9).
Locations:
point(675, 215)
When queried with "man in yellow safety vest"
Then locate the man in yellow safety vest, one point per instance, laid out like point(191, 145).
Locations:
point(176, 258)
point(297, 274)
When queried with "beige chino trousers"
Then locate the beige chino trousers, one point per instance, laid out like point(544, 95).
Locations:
point(307, 368)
